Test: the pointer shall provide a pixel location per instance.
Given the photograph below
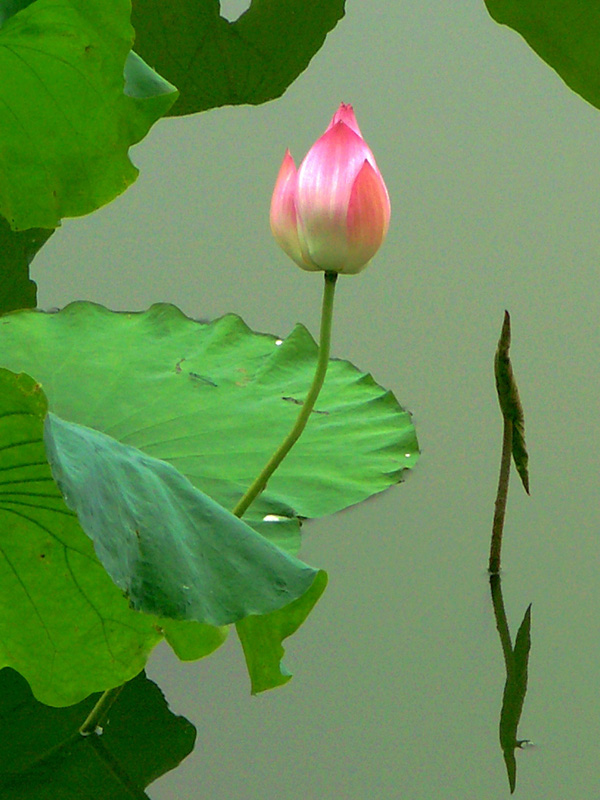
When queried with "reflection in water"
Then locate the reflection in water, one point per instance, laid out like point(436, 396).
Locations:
point(516, 660)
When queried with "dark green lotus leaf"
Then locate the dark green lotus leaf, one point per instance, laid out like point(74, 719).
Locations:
point(43, 757)
point(17, 250)
point(175, 552)
point(564, 33)
point(214, 62)
point(8, 8)
point(64, 624)
point(67, 116)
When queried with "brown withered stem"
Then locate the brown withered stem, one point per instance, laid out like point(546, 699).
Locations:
point(513, 439)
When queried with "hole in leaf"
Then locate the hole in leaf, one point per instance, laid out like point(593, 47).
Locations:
point(232, 9)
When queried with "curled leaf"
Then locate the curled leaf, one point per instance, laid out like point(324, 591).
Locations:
point(510, 402)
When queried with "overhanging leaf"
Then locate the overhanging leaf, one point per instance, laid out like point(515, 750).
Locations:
point(64, 624)
point(214, 62)
point(214, 400)
point(175, 552)
point(193, 640)
point(67, 119)
point(564, 33)
point(43, 757)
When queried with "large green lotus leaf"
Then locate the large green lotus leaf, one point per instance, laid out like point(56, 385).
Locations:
point(64, 624)
point(175, 552)
point(564, 33)
point(214, 400)
point(43, 757)
point(214, 62)
point(68, 115)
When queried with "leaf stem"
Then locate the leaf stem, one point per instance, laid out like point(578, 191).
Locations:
point(260, 482)
point(99, 712)
point(502, 494)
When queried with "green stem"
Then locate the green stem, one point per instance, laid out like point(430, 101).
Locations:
point(323, 359)
point(99, 712)
point(502, 494)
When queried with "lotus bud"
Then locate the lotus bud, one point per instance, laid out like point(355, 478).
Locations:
point(333, 212)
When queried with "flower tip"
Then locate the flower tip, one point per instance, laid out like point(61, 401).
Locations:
point(332, 213)
point(345, 114)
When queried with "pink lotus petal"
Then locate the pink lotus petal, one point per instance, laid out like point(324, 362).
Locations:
point(368, 218)
point(332, 213)
point(283, 210)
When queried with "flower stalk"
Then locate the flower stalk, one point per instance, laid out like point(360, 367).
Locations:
point(284, 448)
